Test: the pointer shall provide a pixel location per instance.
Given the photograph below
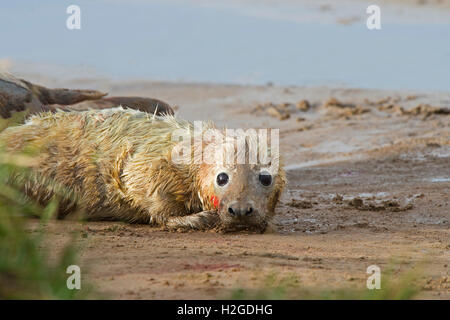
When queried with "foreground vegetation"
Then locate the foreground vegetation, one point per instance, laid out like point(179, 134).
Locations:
point(25, 268)
point(273, 287)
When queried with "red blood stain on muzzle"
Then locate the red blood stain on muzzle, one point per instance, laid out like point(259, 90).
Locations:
point(215, 201)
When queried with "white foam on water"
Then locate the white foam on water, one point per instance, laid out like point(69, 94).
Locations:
point(313, 163)
point(370, 195)
point(439, 179)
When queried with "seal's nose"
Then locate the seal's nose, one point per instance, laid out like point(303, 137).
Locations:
point(238, 209)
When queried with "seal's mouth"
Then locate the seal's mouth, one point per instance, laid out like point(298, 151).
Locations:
point(232, 223)
point(238, 227)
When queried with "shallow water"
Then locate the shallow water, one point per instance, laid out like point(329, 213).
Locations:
point(188, 42)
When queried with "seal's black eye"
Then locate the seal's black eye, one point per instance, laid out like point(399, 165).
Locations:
point(265, 178)
point(222, 179)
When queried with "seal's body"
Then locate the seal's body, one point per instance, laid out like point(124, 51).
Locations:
point(117, 164)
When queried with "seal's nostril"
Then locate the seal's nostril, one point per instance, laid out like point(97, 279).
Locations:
point(249, 211)
point(231, 211)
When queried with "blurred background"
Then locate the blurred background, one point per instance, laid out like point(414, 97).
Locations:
point(290, 42)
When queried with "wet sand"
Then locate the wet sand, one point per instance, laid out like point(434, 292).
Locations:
point(369, 182)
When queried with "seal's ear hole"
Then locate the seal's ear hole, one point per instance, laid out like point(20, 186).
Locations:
point(265, 178)
point(222, 179)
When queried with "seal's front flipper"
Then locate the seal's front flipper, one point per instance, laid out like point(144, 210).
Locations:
point(199, 221)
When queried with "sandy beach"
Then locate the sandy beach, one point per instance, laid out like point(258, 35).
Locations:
point(368, 184)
